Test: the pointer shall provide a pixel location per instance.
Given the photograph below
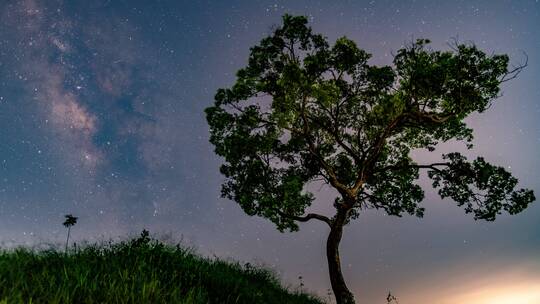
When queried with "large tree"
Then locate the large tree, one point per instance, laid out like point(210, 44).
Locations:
point(304, 112)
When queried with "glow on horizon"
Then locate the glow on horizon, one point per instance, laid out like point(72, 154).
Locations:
point(513, 285)
point(522, 293)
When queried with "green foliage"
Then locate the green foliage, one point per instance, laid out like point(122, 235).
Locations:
point(482, 188)
point(137, 271)
point(304, 111)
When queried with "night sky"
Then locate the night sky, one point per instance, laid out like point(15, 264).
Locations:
point(101, 115)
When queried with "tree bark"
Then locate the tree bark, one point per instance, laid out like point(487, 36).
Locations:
point(341, 292)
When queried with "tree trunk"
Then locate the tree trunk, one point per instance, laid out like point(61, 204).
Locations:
point(341, 292)
point(67, 240)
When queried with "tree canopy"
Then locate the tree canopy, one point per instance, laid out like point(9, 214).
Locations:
point(70, 220)
point(303, 110)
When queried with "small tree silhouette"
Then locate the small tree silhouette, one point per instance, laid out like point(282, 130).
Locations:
point(391, 299)
point(70, 221)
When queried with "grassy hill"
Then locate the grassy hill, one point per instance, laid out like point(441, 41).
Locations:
point(141, 270)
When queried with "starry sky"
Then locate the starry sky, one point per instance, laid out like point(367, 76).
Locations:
point(101, 115)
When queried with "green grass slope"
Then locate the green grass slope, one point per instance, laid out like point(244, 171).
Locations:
point(137, 271)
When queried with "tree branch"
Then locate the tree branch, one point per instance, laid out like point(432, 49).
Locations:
point(509, 75)
point(338, 140)
point(373, 153)
point(430, 166)
point(341, 188)
point(306, 217)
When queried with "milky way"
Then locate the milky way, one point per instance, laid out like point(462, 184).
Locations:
point(101, 116)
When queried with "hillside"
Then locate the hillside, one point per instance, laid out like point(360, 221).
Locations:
point(141, 270)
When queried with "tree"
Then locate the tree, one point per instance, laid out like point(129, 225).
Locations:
point(303, 112)
point(70, 221)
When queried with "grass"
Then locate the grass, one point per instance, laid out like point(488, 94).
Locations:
point(141, 270)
